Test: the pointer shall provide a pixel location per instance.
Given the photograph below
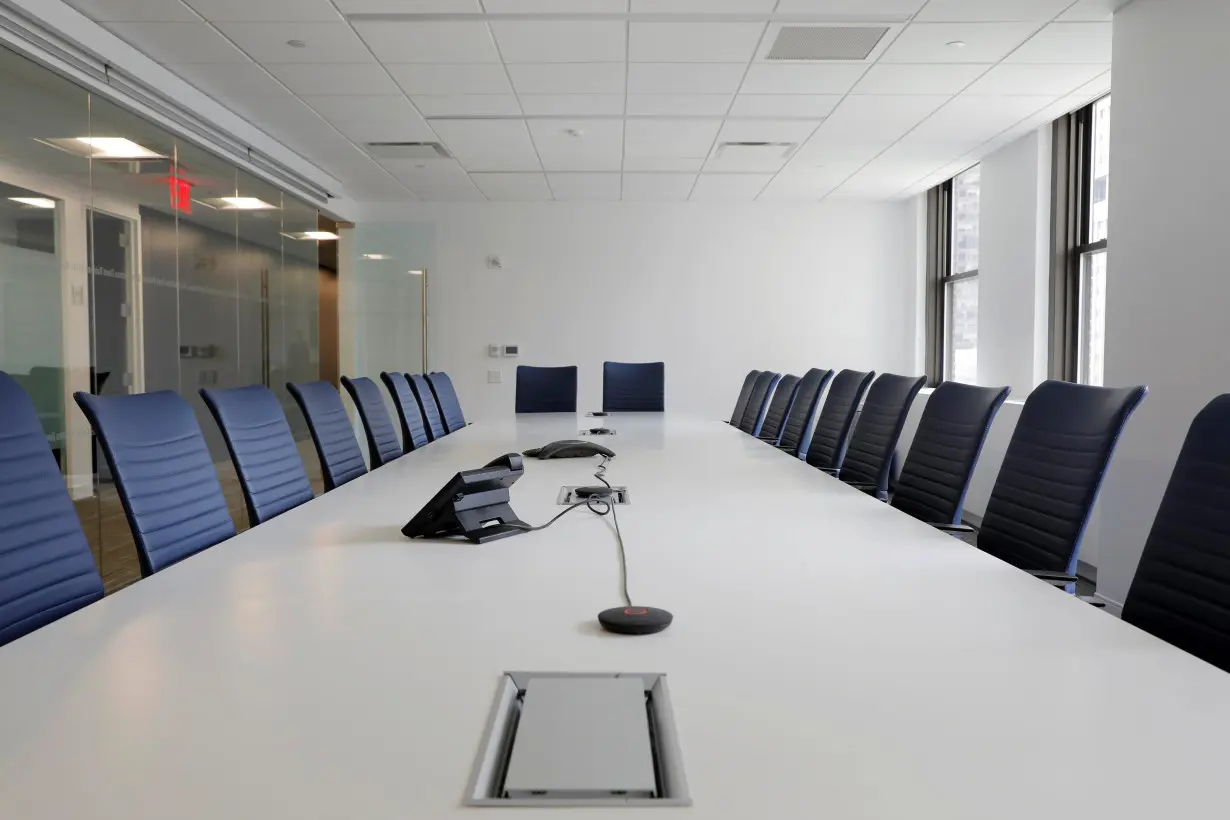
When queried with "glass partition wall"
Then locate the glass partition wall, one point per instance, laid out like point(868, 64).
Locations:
point(133, 261)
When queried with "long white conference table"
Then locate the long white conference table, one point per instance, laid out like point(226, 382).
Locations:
point(830, 657)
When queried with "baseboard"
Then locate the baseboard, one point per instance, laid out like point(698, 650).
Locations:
point(1113, 607)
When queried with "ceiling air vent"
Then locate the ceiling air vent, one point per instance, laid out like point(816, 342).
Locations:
point(826, 42)
point(408, 150)
point(746, 151)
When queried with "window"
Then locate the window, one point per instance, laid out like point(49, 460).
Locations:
point(1082, 220)
point(953, 227)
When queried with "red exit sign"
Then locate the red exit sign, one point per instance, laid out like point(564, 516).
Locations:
point(181, 195)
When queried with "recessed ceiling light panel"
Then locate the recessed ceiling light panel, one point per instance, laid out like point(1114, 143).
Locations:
point(34, 201)
point(117, 149)
point(318, 236)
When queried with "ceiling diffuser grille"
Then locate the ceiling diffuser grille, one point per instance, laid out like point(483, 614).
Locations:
point(408, 150)
point(826, 42)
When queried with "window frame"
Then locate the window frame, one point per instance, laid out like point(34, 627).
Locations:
point(1071, 195)
point(940, 276)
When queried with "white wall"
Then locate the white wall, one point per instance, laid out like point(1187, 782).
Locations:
point(1169, 252)
point(712, 290)
point(1014, 264)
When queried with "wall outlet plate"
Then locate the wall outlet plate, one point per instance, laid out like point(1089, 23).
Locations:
point(493, 351)
point(495, 377)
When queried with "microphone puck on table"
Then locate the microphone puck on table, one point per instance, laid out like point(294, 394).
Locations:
point(635, 620)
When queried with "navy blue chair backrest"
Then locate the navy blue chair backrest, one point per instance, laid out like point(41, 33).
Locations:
point(413, 428)
point(341, 460)
point(745, 395)
point(1181, 591)
point(263, 449)
point(869, 458)
point(1052, 472)
point(427, 403)
point(827, 447)
point(942, 458)
point(633, 387)
point(164, 474)
point(758, 401)
point(778, 408)
point(546, 389)
point(382, 443)
point(446, 398)
point(803, 411)
point(46, 569)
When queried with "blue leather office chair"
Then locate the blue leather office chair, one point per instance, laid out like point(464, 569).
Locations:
point(427, 403)
point(826, 449)
point(46, 569)
point(163, 472)
point(263, 449)
point(413, 428)
point(873, 445)
point(778, 408)
point(382, 443)
point(758, 402)
point(942, 458)
point(745, 395)
point(546, 389)
point(446, 398)
point(1181, 591)
point(630, 387)
point(803, 411)
point(1051, 476)
point(341, 460)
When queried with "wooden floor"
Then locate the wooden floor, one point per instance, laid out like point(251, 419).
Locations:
point(106, 527)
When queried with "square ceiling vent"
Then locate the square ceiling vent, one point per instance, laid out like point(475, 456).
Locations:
point(826, 42)
point(408, 150)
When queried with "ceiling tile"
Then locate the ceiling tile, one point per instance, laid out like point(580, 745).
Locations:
point(513, 187)
point(178, 42)
point(679, 105)
point(134, 11)
point(435, 180)
point(978, 118)
point(409, 6)
point(684, 78)
point(572, 105)
point(663, 187)
point(820, 152)
point(466, 105)
point(991, 11)
point(220, 80)
point(324, 42)
point(280, 108)
point(489, 145)
point(814, 106)
point(869, 10)
point(869, 188)
point(361, 107)
point(670, 138)
point(694, 42)
point(435, 41)
point(925, 78)
point(1019, 78)
point(585, 187)
point(796, 131)
point(568, 78)
point(451, 78)
point(551, 41)
point(728, 161)
point(271, 11)
point(1089, 11)
point(926, 152)
point(334, 78)
point(671, 164)
point(878, 117)
point(800, 187)
point(766, 78)
point(579, 145)
point(984, 42)
point(1067, 43)
point(1096, 87)
point(703, 6)
point(556, 6)
point(728, 187)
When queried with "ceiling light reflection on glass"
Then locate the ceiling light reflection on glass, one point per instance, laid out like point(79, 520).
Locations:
point(318, 236)
point(34, 201)
point(116, 149)
point(237, 203)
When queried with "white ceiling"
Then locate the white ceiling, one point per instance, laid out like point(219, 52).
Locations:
point(629, 99)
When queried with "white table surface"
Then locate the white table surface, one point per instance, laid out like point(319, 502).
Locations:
point(830, 657)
